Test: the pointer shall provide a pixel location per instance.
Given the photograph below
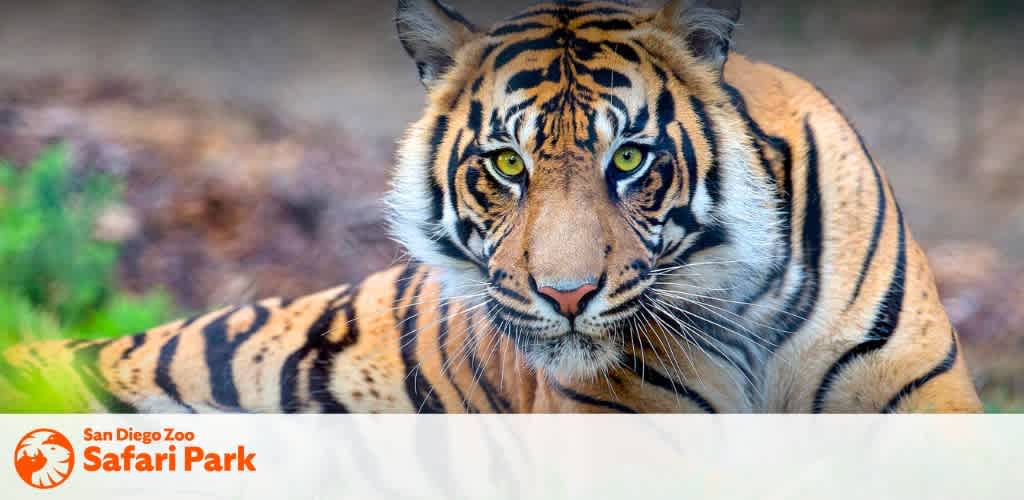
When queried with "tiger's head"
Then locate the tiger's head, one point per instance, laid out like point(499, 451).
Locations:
point(574, 165)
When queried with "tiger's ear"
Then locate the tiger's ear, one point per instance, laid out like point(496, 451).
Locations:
point(706, 25)
point(431, 32)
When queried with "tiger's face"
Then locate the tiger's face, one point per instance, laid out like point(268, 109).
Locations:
point(572, 159)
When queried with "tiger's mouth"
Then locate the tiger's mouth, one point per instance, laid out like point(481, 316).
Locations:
point(583, 345)
point(570, 353)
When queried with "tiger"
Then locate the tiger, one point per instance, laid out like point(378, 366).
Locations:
point(606, 209)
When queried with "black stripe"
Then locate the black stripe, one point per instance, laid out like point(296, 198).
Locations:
point(189, 322)
point(512, 29)
point(494, 397)
point(665, 108)
point(588, 400)
point(509, 113)
point(682, 216)
point(607, 25)
point(565, 14)
point(482, 199)
point(446, 244)
point(523, 80)
point(220, 353)
point(494, 307)
point(402, 283)
point(711, 178)
point(475, 119)
point(666, 170)
point(650, 375)
point(86, 364)
point(437, 195)
point(638, 123)
point(608, 78)
point(876, 232)
point(514, 50)
point(628, 285)
point(886, 321)
point(315, 336)
point(421, 393)
point(137, 341)
point(320, 373)
point(691, 162)
point(944, 366)
point(711, 237)
point(163, 377)
point(512, 294)
point(442, 347)
point(624, 51)
point(801, 304)
point(617, 103)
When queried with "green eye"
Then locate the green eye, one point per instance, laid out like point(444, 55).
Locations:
point(628, 158)
point(508, 162)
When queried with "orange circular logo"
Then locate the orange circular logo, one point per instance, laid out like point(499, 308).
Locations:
point(44, 458)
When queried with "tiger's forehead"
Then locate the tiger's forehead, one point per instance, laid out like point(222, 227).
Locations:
point(566, 72)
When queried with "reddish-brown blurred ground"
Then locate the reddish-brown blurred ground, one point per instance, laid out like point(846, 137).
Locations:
point(984, 295)
point(224, 205)
point(221, 205)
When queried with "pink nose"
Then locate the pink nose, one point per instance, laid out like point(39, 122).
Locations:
point(569, 300)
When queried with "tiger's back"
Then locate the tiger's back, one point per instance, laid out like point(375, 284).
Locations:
point(756, 261)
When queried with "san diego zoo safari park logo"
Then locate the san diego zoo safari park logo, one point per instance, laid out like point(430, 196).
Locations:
point(44, 459)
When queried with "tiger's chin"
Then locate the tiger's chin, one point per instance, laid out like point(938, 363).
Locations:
point(572, 355)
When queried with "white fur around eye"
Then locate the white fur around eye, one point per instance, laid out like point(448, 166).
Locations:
point(603, 126)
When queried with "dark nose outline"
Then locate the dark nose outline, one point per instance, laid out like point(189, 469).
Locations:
point(569, 302)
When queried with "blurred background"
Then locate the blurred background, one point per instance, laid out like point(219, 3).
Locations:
point(160, 158)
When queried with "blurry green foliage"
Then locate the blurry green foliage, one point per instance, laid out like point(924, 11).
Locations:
point(56, 279)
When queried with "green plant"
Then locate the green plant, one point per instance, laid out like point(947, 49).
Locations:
point(56, 279)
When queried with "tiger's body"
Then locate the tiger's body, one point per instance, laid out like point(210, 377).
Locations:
point(755, 261)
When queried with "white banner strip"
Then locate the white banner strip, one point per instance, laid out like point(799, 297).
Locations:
point(534, 457)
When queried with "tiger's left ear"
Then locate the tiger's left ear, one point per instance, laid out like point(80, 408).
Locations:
point(706, 25)
point(431, 32)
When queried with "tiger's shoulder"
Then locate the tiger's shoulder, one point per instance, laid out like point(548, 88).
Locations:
point(873, 272)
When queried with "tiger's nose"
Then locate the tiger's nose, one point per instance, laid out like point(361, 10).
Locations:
point(569, 302)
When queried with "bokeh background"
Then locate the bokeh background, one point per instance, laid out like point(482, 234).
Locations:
point(247, 145)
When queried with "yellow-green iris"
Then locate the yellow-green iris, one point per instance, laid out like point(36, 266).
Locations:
point(508, 162)
point(628, 158)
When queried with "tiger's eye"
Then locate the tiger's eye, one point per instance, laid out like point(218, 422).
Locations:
point(628, 158)
point(509, 162)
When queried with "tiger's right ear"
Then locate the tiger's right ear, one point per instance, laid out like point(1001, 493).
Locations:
point(431, 32)
point(706, 25)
